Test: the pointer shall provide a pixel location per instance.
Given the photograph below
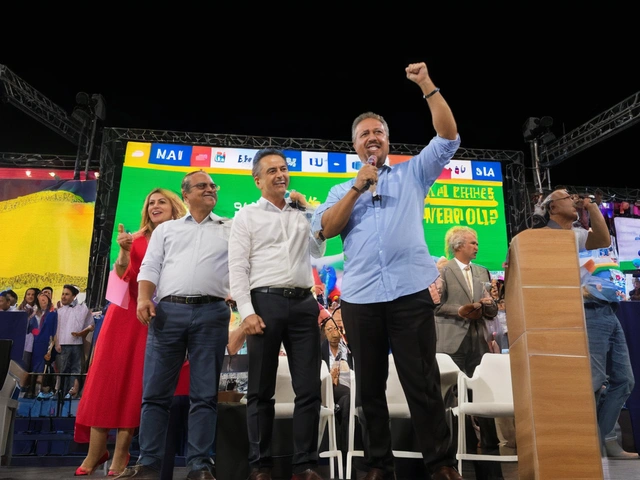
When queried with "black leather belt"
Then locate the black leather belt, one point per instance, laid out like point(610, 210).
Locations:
point(294, 292)
point(192, 299)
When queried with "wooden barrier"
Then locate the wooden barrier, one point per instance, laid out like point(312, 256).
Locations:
point(556, 427)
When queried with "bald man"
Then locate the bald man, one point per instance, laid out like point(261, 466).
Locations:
point(604, 332)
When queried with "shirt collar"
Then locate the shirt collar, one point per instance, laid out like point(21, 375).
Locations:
point(460, 264)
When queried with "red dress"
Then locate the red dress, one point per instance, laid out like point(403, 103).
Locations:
point(112, 394)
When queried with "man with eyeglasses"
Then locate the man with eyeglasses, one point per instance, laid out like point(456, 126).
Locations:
point(611, 374)
point(186, 266)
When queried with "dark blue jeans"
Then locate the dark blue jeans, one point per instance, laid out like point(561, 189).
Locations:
point(202, 331)
point(69, 361)
point(611, 371)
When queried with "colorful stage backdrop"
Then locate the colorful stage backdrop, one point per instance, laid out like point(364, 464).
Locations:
point(467, 193)
point(47, 225)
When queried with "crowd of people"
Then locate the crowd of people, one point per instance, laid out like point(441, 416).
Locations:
point(186, 266)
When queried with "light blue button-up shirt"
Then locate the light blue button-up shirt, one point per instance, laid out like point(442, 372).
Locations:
point(385, 254)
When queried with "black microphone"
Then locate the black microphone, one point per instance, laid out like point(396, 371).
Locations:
point(372, 161)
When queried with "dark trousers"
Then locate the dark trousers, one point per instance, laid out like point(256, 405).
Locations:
point(292, 322)
point(406, 325)
point(342, 399)
point(177, 436)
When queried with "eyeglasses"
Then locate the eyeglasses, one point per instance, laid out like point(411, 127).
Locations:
point(203, 186)
point(549, 200)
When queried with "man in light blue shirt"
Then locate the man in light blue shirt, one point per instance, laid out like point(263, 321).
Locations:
point(387, 273)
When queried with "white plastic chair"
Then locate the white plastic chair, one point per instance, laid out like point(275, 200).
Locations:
point(285, 402)
point(492, 398)
point(397, 403)
point(328, 422)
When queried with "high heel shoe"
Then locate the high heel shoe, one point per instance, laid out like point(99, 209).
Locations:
point(115, 473)
point(82, 472)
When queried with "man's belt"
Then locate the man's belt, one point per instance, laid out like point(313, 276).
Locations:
point(294, 292)
point(192, 299)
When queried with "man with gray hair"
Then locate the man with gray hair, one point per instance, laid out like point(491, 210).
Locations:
point(385, 287)
point(611, 373)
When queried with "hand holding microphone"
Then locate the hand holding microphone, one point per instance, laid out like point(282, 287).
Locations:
point(370, 175)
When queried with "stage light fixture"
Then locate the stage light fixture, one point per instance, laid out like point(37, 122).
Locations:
point(82, 98)
point(529, 128)
point(538, 128)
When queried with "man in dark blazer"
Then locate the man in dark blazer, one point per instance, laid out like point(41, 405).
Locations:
point(465, 340)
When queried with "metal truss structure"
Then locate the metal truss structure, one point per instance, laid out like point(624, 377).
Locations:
point(39, 160)
point(27, 99)
point(612, 121)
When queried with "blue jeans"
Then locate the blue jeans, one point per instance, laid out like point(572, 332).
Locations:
point(611, 371)
point(202, 331)
point(69, 360)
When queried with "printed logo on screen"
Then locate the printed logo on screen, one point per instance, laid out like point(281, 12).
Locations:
point(315, 162)
point(172, 155)
point(487, 171)
point(219, 157)
point(201, 157)
point(294, 160)
point(457, 169)
point(353, 163)
point(337, 162)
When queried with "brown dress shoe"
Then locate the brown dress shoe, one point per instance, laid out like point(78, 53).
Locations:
point(306, 475)
point(203, 474)
point(140, 472)
point(446, 473)
point(374, 474)
point(258, 475)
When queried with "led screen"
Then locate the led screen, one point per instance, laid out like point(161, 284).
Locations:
point(467, 193)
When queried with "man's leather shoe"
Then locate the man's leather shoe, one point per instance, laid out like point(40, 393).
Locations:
point(306, 475)
point(446, 473)
point(203, 474)
point(374, 474)
point(140, 472)
point(258, 475)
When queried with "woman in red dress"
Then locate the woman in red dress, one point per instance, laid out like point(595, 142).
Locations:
point(112, 394)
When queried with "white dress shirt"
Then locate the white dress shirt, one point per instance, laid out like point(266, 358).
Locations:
point(188, 258)
point(269, 247)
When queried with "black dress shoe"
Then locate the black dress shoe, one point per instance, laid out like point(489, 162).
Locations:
point(203, 474)
point(306, 475)
point(374, 474)
point(140, 472)
point(258, 475)
point(446, 473)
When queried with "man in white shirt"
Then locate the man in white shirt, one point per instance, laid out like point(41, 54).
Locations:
point(75, 321)
point(186, 265)
point(271, 279)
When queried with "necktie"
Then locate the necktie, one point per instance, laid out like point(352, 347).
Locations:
point(467, 276)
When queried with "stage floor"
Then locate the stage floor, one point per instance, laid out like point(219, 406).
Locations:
point(613, 470)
